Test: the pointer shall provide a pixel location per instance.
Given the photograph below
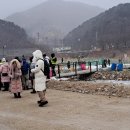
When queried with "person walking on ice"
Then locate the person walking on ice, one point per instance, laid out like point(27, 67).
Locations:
point(40, 78)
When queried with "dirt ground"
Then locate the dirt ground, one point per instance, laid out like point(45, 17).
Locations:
point(65, 111)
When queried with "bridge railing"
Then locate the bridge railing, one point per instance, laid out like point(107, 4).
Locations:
point(75, 68)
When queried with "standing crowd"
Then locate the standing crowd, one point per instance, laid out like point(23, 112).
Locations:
point(16, 74)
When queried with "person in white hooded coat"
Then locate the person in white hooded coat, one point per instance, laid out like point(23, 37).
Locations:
point(40, 78)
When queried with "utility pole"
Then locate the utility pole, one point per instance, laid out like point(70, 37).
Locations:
point(4, 46)
point(96, 38)
point(38, 37)
point(62, 43)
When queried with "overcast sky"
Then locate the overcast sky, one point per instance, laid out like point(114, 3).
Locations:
point(8, 7)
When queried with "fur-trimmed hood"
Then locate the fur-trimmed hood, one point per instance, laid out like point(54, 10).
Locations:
point(37, 55)
point(17, 62)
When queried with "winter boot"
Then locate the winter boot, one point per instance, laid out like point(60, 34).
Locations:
point(33, 91)
point(39, 101)
point(19, 96)
point(43, 103)
point(15, 95)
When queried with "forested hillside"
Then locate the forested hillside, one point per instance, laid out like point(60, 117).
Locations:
point(13, 36)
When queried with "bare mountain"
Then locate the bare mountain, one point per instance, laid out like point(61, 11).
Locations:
point(54, 18)
point(110, 29)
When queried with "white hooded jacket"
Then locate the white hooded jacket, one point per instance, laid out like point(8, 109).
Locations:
point(40, 78)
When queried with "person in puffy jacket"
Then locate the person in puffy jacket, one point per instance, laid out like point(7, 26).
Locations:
point(4, 70)
point(15, 75)
point(40, 78)
point(47, 63)
point(25, 73)
point(53, 64)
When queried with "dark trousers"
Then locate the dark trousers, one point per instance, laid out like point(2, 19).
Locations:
point(6, 86)
point(53, 70)
point(1, 85)
point(48, 75)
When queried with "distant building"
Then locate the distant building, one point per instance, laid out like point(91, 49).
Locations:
point(62, 49)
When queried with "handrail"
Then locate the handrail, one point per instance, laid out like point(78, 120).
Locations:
point(75, 66)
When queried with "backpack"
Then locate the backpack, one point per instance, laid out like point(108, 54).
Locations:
point(46, 67)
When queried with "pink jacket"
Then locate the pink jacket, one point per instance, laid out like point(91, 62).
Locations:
point(16, 84)
point(4, 69)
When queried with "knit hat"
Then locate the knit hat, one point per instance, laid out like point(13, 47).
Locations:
point(3, 60)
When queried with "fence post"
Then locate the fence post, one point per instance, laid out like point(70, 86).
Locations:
point(59, 70)
point(97, 65)
point(90, 67)
point(75, 68)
